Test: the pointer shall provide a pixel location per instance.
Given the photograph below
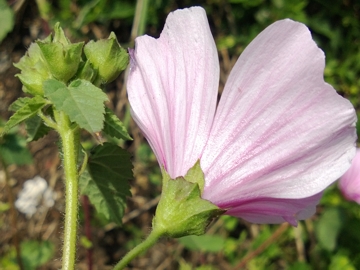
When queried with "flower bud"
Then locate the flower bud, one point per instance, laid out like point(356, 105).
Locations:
point(107, 57)
point(86, 71)
point(61, 56)
point(33, 71)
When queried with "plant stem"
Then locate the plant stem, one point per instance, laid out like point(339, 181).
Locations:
point(139, 22)
point(70, 144)
point(149, 242)
point(47, 120)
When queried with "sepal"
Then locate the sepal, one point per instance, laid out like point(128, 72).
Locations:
point(86, 71)
point(181, 210)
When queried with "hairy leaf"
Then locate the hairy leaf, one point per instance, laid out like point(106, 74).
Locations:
point(36, 128)
point(114, 127)
point(17, 104)
point(29, 108)
point(106, 180)
point(81, 101)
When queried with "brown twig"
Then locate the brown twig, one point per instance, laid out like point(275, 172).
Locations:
point(262, 247)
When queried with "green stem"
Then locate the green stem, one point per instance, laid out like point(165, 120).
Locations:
point(48, 121)
point(70, 142)
point(149, 242)
point(139, 22)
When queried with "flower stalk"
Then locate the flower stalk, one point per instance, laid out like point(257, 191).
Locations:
point(181, 211)
point(151, 240)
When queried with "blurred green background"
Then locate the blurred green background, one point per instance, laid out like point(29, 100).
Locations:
point(330, 240)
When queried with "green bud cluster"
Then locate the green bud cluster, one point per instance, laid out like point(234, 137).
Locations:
point(55, 57)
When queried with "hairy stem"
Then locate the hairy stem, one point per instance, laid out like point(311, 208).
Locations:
point(47, 120)
point(70, 144)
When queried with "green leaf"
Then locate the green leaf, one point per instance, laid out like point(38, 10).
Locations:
point(114, 127)
point(106, 182)
point(17, 104)
point(13, 150)
point(29, 108)
point(6, 19)
point(81, 101)
point(205, 243)
point(35, 254)
point(328, 228)
point(36, 128)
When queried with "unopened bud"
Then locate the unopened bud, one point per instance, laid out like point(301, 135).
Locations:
point(33, 71)
point(86, 71)
point(61, 56)
point(107, 57)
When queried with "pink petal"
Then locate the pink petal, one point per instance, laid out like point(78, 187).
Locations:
point(272, 210)
point(349, 183)
point(172, 88)
point(280, 131)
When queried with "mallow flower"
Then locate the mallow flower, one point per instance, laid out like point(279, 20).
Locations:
point(349, 183)
point(279, 135)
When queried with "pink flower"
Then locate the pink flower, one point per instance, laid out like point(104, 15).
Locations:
point(349, 183)
point(280, 134)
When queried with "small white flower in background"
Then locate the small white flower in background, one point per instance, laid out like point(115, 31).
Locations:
point(36, 192)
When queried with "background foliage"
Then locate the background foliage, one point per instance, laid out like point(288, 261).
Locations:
point(330, 240)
